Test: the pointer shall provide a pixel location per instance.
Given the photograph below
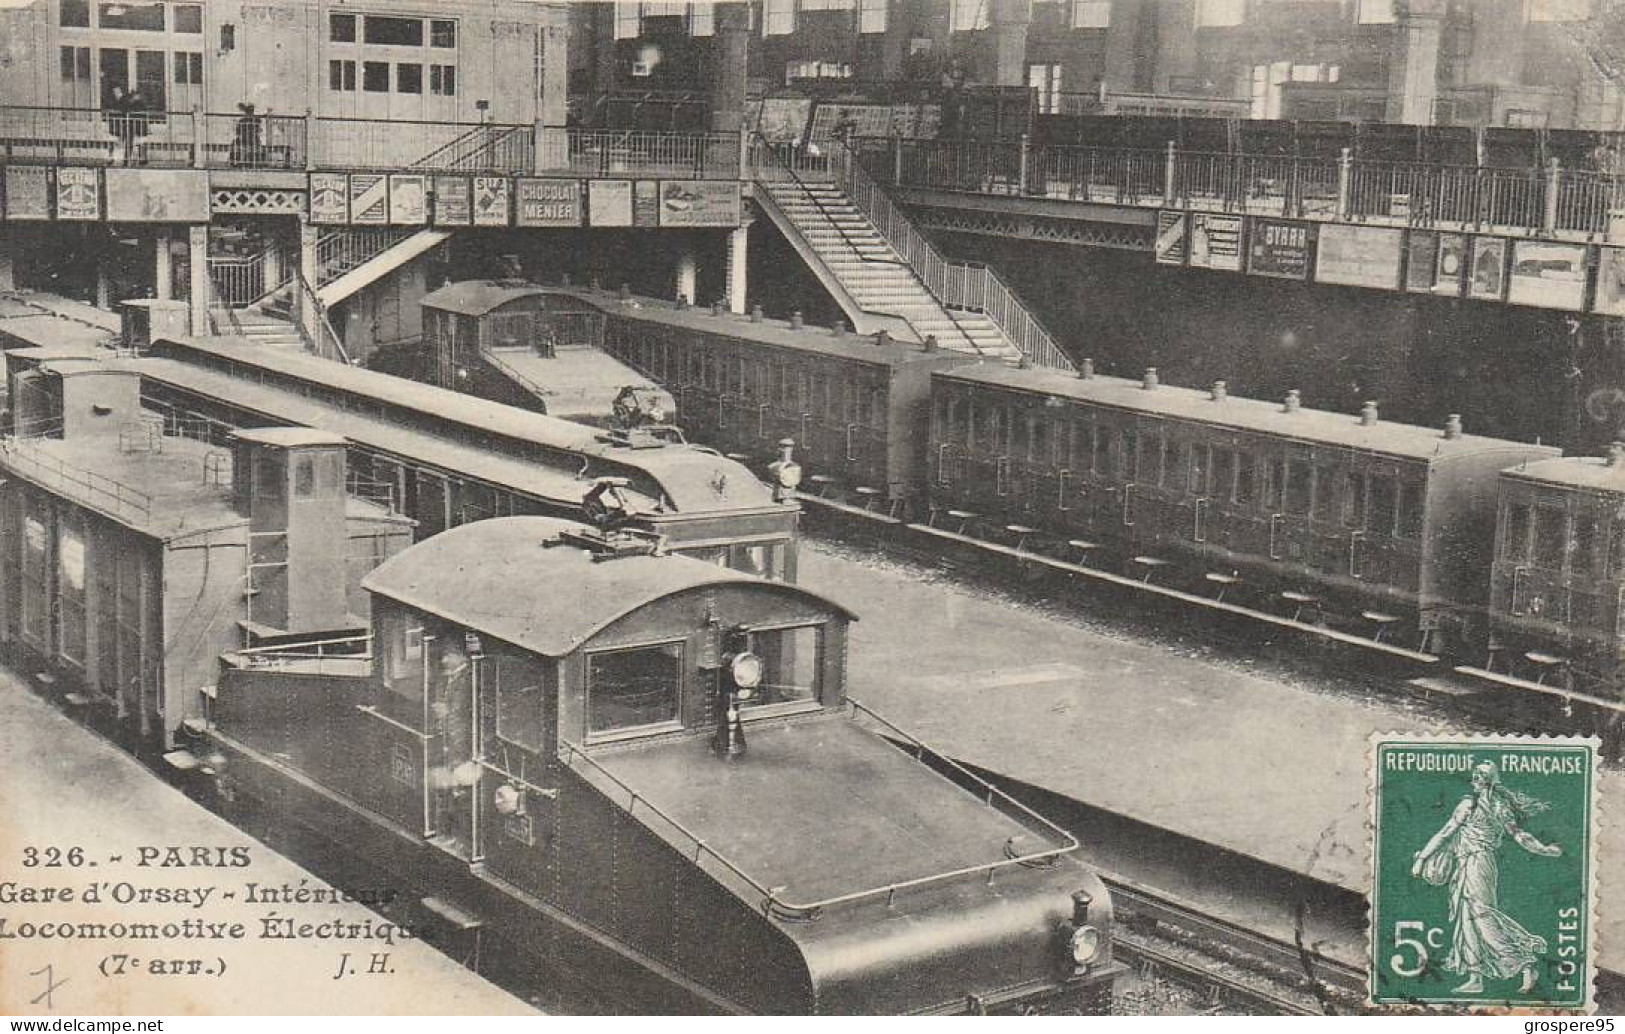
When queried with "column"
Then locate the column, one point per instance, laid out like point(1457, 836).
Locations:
point(738, 259)
point(551, 140)
point(688, 274)
point(272, 267)
point(1010, 20)
point(306, 308)
point(163, 268)
point(732, 44)
point(104, 283)
point(197, 263)
point(1496, 51)
point(1413, 64)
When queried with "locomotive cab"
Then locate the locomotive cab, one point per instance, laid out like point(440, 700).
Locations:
point(567, 720)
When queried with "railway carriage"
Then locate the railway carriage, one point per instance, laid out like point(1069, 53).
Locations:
point(1338, 513)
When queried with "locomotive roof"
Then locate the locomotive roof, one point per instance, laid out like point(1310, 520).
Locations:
point(30, 327)
point(576, 382)
point(499, 577)
point(817, 340)
point(1593, 472)
point(694, 479)
point(1309, 425)
point(478, 297)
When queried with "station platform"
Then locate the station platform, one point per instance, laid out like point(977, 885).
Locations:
point(63, 787)
point(1252, 764)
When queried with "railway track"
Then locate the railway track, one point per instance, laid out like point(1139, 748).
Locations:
point(1260, 973)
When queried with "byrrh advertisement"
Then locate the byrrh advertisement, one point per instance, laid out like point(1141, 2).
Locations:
point(592, 512)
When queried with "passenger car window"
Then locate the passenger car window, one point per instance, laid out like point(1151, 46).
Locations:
point(1221, 475)
point(1410, 510)
point(630, 689)
point(1325, 494)
point(1297, 489)
point(791, 662)
point(1246, 479)
point(520, 701)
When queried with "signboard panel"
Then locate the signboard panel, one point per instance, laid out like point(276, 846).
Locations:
point(408, 199)
point(609, 202)
point(1278, 248)
point(329, 197)
point(28, 193)
point(1547, 274)
point(1421, 260)
point(157, 195)
point(490, 201)
point(369, 199)
point(453, 205)
point(1359, 256)
point(78, 195)
point(646, 203)
point(549, 203)
point(1451, 265)
point(1215, 241)
point(1171, 238)
point(698, 203)
point(1610, 282)
point(1489, 268)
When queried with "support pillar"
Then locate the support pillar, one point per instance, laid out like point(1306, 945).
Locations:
point(551, 140)
point(306, 308)
point(688, 274)
point(738, 264)
point(1010, 20)
point(1554, 185)
point(272, 268)
point(104, 284)
point(1345, 176)
point(163, 267)
point(1413, 65)
point(197, 264)
point(1172, 28)
point(732, 48)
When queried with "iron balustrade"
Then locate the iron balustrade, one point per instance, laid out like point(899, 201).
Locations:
point(774, 904)
point(615, 152)
point(100, 492)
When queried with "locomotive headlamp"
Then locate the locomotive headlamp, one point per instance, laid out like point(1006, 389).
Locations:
point(657, 415)
point(746, 671)
point(789, 474)
point(1084, 945)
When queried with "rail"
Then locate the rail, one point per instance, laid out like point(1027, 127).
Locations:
point(343, 250)
point(241, 280)
point(956, 285)
point(310, 656)
point(776, 906)
point(319, 336)
point(485, 148)
point(101, 492)
point(617, 152)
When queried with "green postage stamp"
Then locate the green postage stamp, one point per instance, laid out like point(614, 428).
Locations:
point(1483, 871)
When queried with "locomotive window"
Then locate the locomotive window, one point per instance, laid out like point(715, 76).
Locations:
point(1616, 558)
point(1195, 470)
point(403, 664)
point(1325, 493)
point(1126, 452)
point(1380, 503)
point(791, 661)
point(304, 475)
point(1298, 492)
point(631, 689)
point(1583, 546)
point(520, 701)
point(1551, 535)
point(1353, 500)
point(1515, 545)
point(1246, 478)
point(1410, 510)
point(1221, 474)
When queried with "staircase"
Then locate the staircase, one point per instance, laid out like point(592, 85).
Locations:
point(262, 328)
point(830, 232)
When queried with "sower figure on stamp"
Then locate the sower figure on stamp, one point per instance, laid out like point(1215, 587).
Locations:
point(1487, 942)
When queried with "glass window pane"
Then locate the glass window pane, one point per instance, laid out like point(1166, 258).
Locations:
point(1376, 12)
point(1220, 13)
point(1551, 537)
point(628, 689)
point(1325, 493)
point(188, 18)
point(341, 28)
point(1583, 547)
point(143, 17)
point(779, 17)
point(872, 15)
point(74, 14)
point(408, 78)
point(1515, 545)
point(968, 15)
point(1297, 489)
point(1559, 10)
point(791, 661)
point(521, 703)
point(1246, 479)
point(380, 30)
point(1091, 14)
point(375, 76)
point(442, 33)
point(1381, 502)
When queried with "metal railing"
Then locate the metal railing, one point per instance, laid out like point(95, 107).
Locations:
point(343, 250)
point(613, 152)
point(99, 491)
point(342, 655)
point(485, 148)
point(775, 905)
point(321, 339)
point(242, 141)
point(240, 281)
point(956, 285)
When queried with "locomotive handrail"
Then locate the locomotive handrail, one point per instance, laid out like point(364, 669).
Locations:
point(773, 904)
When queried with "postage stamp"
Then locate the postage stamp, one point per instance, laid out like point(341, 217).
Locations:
point(1482, 890)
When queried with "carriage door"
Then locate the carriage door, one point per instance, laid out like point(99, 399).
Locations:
point(38, 570)
point(452, 678)
point(1293, 498)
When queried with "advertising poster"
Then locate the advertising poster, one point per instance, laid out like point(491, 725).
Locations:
point(408, 199)
point(157, 196)
point(77, 195)
point(1489, 268)
point(1216, 241)
point(646, 203)
point(28, 192)
point(697, 203)
point(1452, 262)
point(1421, 260)
point(609, 202)
point(1359, 256)
point(1278, 248)
point(491, 201)
point(329, 197)
point(452, 204)
point(1548, 275)
point(369, 199)
point(1610, 299)
point(549, 203)
point(784, 119)
point(1171, 238)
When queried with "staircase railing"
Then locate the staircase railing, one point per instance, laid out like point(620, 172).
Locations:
point(956, 285)
point(484, 148)
point(324, 340)
point(775, 160)
point(343, 250)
